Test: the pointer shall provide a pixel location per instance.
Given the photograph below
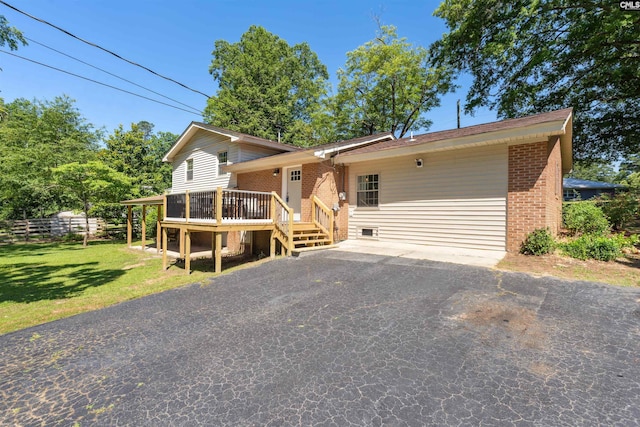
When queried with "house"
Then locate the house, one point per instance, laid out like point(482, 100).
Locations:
point(582, 189)
point(483, 187)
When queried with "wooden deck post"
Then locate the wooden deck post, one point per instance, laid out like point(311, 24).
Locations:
point(129, 225)
point(187, 256)
point(159, 244)
point(290, 231)
point(272, 209)
point(187, 206)
point(218, 252)
point(144, 226)
point(273, 244)
point(164, 248)
point(181, 242)
point(218, 205)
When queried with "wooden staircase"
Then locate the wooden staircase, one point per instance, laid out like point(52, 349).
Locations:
point(308, 235)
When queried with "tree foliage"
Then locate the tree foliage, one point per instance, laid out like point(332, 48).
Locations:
point(10, 36)
point(266, 86)
point(387, 85)
point(138, 153)
point(534, 56)
point(86, 183)
point(594, 171)
point(35, 137)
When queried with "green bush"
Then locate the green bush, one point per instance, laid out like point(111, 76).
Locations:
point(585, 218)
point(538, 242)
point(601, 248)
point(620, 209)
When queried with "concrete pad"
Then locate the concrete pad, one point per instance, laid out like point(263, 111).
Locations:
point(475, 257)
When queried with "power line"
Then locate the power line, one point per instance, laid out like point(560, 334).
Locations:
point(112, 74)
point(99, 83)
point(103, 49)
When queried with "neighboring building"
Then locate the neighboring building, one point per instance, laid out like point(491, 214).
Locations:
point(582, 189)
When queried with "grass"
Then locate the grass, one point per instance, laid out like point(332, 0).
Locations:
point(624, 271)
point(41, 282)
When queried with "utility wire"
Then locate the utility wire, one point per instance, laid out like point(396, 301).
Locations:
point(100, 83)
point(112, 74)
point(102, 48)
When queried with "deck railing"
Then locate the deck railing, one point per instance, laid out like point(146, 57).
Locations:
point(202, 206)
point(322, 216)
point(283, 222)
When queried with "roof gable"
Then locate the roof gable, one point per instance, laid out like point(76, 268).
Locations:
point(233, 136)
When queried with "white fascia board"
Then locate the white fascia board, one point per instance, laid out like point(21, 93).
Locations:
point(511, 136)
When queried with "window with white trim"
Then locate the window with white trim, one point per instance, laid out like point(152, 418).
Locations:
point(296, 175)
point(222, 161)
point(367, 192)
point(189, 176)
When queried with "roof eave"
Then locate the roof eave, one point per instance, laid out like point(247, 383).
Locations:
point(510, 136)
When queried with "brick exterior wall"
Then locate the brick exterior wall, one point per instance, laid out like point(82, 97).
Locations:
point(534, 198)
point(320, 179)
point(260, 181)
point(326, 181)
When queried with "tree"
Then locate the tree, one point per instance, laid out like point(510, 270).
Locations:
point(534, 56)
point(266, 87)
point(593, 171)
point(10, 35)
point(138, 154)
point(36, 137)
point(387, 85)
point(91, 182)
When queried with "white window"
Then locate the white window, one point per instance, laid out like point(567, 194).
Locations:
point(222, 160)
point(368, 186)
point(190, 170)
point(570, 194)
point(295, 175)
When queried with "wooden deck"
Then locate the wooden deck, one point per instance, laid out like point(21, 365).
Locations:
point(222, 210)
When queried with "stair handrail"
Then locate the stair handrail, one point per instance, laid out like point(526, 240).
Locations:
point(322, 216)
point(283, 223)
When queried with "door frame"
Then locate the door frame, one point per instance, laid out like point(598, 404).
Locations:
point(285, 187)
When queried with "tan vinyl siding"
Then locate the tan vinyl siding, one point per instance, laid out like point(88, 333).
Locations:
point(458, 198)
point(203, 149)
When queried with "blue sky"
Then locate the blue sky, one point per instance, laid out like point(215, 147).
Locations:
point(176, 39)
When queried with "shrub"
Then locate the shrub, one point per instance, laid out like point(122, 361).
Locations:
point(620, 209)
point(585, 218)
point(601, 248)
point(538, 242)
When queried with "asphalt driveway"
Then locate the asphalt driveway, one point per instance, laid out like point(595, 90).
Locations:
point(337, 338)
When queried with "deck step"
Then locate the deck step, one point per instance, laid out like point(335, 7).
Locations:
point(307, 235)
point(303, 226)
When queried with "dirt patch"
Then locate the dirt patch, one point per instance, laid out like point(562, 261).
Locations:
point(624, 271)
point(509, 320)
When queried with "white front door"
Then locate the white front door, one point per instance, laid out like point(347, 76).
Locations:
point(293, 194)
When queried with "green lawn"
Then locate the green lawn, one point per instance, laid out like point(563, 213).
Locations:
point(40, 282)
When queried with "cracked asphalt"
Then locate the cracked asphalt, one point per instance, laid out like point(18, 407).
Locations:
point(337, 339)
